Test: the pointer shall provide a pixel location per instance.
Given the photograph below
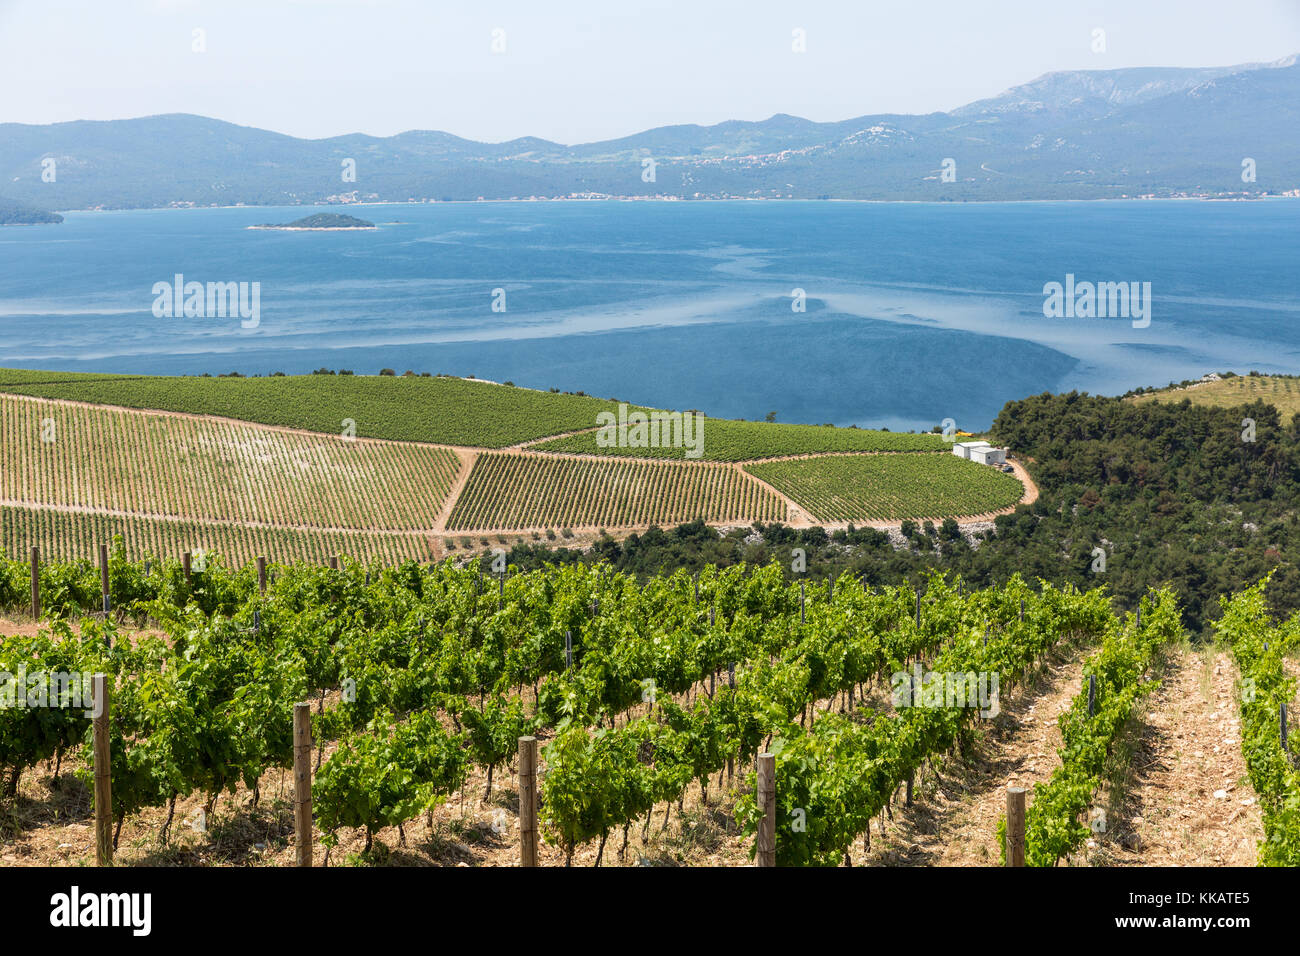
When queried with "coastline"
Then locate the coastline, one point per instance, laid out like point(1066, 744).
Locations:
point(667, 199)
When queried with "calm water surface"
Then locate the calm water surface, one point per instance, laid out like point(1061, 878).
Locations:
point(914, 312)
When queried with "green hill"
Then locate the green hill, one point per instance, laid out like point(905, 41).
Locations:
point(727, 440)
point(322, 220)
point(442, 410)
point(1280, 391)
point(17, 214)
point(451, 411)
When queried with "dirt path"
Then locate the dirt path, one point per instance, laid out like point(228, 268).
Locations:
point(1188, 800)
point(468, 457)
point(954, 821)
point(796, 516)
point(531, 442)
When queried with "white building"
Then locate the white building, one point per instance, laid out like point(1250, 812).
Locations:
point(963, 449)
point(988, 455)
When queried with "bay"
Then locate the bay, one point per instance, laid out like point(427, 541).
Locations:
point(914, 312)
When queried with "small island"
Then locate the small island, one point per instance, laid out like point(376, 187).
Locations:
point(16, 214)
point(321, 222)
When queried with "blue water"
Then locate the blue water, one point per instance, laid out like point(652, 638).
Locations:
point(915, 312)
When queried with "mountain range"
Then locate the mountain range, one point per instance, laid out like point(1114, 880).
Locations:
point(1158, 132)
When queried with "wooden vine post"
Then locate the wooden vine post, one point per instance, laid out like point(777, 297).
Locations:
point(36, 583)
point(103, 774)
point(261, 574)
point(766, 855)
point(302, 782)
point(1015, 826)
point(527, 801)
point(103, 575)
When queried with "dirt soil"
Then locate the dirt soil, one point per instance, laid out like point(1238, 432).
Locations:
point(1180, 797)
point(1178, 793)
point(1188, 800)
point(51, 823)
point(956, 806)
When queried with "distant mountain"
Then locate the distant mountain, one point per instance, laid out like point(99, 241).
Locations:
point(1102, 90)
point(1070, 135)
point(16, 214)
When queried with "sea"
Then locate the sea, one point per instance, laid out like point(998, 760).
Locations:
point(895, 315)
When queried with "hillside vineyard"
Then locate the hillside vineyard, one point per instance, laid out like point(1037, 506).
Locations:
point(249, 483)
point(638, 690)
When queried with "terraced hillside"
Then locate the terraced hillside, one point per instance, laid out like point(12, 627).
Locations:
point(725, 440)
point(271, 466)
point(538, 491)
point(68, 536)
point(450, 411)
point(839, 488)
point(82, 458)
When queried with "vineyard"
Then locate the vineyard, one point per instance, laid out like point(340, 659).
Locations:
point(521, 491)
point(205, 470)
point(449, 411)
point(1280, 391)
point(1117, 678)
point(890, 487)
point(216, 469)
point(726, 440)
point(425, 677)
point(1267, 690)
point(71, 535)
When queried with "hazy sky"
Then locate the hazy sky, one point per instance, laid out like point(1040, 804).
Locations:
point(582, 70)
